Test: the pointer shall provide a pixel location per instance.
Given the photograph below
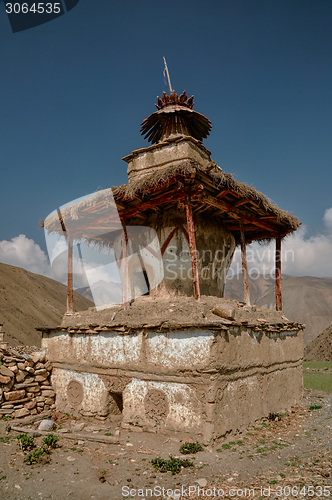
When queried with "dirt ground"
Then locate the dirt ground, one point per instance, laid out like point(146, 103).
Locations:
point(291, 450)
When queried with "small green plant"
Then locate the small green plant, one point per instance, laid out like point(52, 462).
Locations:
point(240, 443)
point(219, 450)
point(190, 448)
point(67, 414)
point(60, 427)
point(108, 434)
point(315, 407)
point(50, 440)
point(4, 439)
point(2, 477)
point(281, 474)
point(36, 456)
point(110, 462)
point(80, 450)
point(26, 442)
point(73, 449)
point(265, 425)
point(226, 446)
point(103, 472)
point(5, 417)
point(137, 469)
point(172, 464)
point(274, 481)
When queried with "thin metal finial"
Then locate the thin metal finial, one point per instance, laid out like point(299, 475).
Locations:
point(167, 73)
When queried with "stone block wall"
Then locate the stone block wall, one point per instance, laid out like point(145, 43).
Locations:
point(25, 387)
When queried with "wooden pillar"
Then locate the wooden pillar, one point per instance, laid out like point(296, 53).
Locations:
point(125, 275)
point(70, 293)
point(192, 247)
point(246, 290)
point(278, 275)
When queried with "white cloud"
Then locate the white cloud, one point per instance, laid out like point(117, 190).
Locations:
point(24, 252)
point(301, 256)
point(328, 219)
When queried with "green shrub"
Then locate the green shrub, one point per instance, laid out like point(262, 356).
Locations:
point(190, 448)
point(36, 456)
point(173, 464)
point(26, 442)
point(50, 440)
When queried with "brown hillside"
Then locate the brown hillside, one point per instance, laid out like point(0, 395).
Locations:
point(29, 300)
point(320, 349)
point(305, 299)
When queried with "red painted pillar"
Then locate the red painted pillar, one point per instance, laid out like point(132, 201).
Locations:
point(246, 290)
point(192, 247)
point(70, 293)
point(278, 274)
point(125, 275)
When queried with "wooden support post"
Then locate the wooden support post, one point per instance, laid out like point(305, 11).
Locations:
point(278, 274)
point(125, 275)
point(246, 290)
point(70, 293)
point(192, 247)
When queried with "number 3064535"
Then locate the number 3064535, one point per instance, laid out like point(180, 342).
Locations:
point(36, 8)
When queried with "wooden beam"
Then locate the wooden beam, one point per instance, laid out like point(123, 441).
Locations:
point(70, 293)
point(192, 247)
point(237, 213)
point(241, 202)
point(223, 193)
point(125, 274)
point(171, 196)
point(278, 274)
point(246, 290)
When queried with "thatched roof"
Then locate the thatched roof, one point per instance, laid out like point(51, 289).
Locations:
point(213, 193)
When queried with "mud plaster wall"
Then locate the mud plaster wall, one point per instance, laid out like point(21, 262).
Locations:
point(215, 247)
point(202, 381)
point(166, 154)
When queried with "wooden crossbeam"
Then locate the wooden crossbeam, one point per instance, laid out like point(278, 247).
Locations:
point(241, 202)
point(171, 196)
point(237, 213)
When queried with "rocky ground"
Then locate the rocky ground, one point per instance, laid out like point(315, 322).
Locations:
point(288, 451)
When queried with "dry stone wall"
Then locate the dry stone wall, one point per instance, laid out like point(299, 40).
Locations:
point(25, 387)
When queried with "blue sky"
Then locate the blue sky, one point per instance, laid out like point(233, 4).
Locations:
point(74, 92)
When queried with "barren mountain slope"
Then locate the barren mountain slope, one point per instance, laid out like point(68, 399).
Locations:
point(320, 349)
point(29, 300)
point(305, 299)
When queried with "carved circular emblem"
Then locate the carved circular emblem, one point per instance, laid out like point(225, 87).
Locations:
point(156, 405)
point(74, 393)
